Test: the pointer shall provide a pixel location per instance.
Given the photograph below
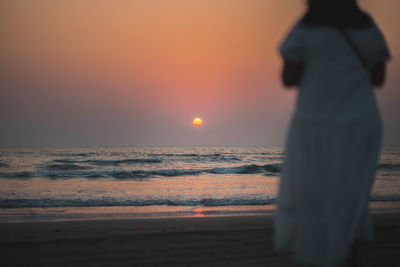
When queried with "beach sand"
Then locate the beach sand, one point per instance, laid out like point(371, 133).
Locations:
point(242, 240)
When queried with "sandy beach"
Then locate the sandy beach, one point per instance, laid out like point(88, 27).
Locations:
point(241, 240)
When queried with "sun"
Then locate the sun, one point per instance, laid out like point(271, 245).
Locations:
point(197, 122)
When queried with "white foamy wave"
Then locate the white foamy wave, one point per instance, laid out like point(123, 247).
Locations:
point(69, 170)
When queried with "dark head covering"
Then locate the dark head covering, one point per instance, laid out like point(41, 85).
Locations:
point(336, 13)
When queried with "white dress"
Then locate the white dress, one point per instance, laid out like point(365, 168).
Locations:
point(332, 146)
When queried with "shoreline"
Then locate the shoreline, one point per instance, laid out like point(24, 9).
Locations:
point(58, 214)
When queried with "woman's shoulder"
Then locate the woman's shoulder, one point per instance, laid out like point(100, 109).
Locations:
point(309, 39)
point(291, 47)
point(372, 40)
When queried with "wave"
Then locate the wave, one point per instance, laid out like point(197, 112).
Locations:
point(68, 173)
point(387, 166)
point(154, 159)
point(17, 175)
point(265, 158)
point(55, 171)
point(245, 169)
point(25, 152)
point(377, 198)
point(104, 202)
point(249, 169)
point(183, 155)
point(215, 156)
point(64, 167)
point(65, 160)
point(68, 164)
point(123, 161)
point(105, 162)
point(83, 155)
point(272, 153)
point(69, 169)
point(151, 173)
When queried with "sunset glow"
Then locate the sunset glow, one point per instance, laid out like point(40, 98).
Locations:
point(123, 70)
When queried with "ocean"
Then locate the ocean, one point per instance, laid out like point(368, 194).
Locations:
point(150, 180)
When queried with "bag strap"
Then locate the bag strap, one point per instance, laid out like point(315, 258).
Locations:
point(363, 62)
point(354, 48)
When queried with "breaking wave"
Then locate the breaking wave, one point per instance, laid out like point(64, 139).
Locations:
point(66, 168)
point(70, 170)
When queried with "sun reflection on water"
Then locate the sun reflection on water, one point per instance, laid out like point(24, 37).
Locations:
point(198, 213)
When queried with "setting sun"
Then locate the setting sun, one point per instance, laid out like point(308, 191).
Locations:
point(197, 122)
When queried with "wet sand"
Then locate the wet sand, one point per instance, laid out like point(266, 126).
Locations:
point(242, 240)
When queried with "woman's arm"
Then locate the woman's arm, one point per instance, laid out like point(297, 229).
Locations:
point(378, 74)
point(291, 73)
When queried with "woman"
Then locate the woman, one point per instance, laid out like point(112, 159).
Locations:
point(335, 54)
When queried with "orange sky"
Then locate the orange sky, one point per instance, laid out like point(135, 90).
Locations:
point(82, 72)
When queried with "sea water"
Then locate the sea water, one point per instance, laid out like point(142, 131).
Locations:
point(161, 179)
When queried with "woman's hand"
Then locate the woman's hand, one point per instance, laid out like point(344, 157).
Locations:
point(291, 73)
point(377, 74)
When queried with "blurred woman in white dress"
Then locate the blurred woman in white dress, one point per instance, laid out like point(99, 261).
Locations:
point(335, 55)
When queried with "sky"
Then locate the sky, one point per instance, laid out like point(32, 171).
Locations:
point(116, 73)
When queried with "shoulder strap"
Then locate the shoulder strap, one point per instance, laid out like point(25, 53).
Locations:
point(354, 48)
